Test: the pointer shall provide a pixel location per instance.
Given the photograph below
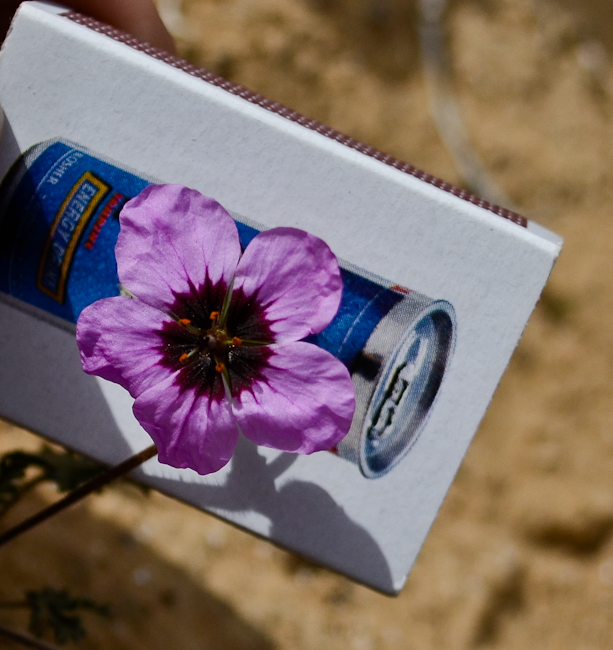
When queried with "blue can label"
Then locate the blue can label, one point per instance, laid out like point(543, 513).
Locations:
point(59, 228)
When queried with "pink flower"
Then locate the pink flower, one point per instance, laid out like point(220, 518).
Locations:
point(210, 345)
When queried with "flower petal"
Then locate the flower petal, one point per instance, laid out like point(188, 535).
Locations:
point(304, 403)
point(117, 340)
point(296, 280)
point(190, 429)
point(171, 237)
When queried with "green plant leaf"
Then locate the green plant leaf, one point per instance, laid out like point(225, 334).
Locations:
point(56, 610)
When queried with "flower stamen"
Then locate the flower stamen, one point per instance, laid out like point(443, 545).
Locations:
point(236, 341)
point(214, 315)
point(220, 367)
point(186, 324)
point(186, 356)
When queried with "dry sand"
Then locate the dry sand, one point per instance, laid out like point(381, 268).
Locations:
point(521, 554)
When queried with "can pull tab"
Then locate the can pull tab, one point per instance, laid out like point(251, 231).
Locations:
point(397, 391)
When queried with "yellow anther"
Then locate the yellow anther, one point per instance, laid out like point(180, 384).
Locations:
point(184, 358)
point(236, 341)
point(184, 322)
point(214, 315)
point(220, 367)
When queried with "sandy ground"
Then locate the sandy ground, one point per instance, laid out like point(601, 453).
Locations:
point(522, 553)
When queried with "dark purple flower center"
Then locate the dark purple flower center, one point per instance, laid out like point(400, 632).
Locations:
point(206, 345)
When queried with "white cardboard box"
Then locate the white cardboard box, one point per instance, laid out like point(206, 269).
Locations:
point(69, 78)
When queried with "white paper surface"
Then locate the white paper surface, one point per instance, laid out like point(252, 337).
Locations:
point(62, 80)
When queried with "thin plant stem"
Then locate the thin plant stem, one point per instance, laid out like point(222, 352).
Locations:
point(82, 491)
point(24, 639)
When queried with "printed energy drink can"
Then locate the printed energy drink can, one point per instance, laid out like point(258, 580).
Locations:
point(59, 209)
